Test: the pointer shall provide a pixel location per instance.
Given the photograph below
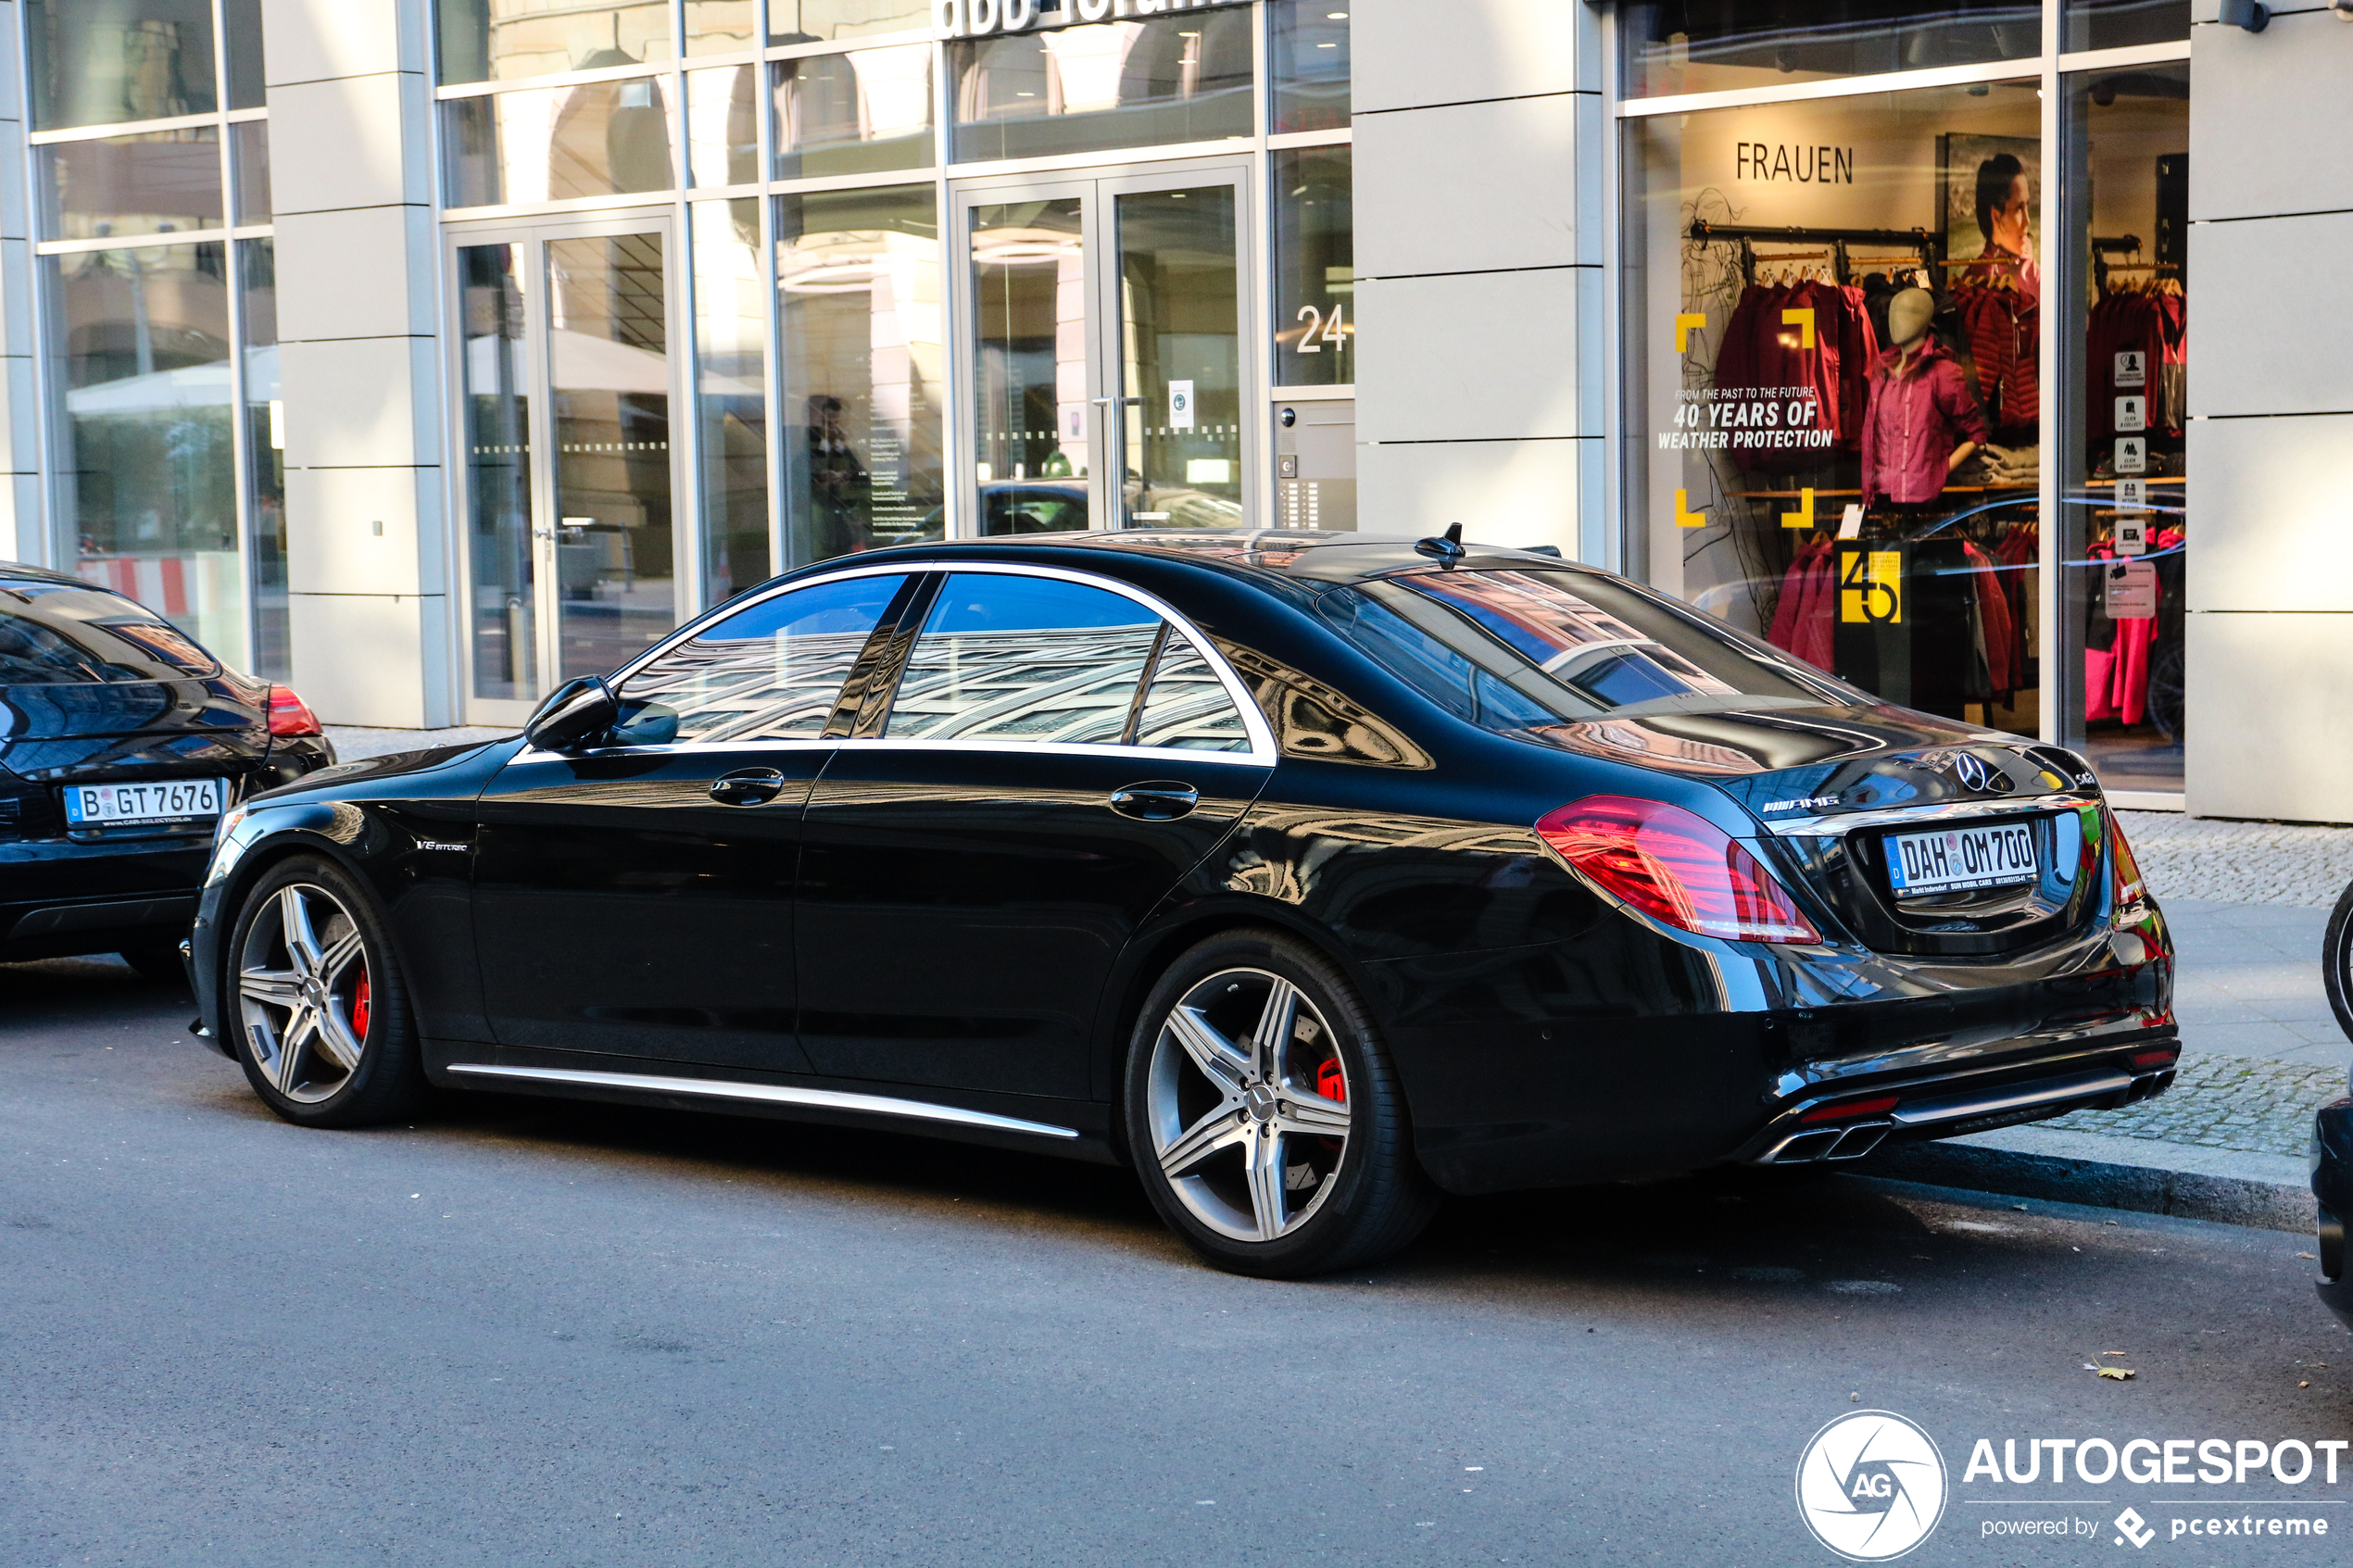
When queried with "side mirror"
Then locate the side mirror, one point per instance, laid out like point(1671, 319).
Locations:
point(576, 711)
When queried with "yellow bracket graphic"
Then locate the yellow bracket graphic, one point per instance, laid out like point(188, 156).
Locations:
point(1804, 321)
point(1684, 516)
point(1804, 516)
point(1684, 325)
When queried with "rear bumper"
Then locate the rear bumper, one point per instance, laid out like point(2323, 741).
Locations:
point(1947, 1104)
point(59, 897)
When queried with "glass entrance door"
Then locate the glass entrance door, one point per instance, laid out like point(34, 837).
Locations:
point(569, 472)
point(1107, 372)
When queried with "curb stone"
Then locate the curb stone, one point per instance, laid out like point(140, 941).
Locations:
point(2264, 1191)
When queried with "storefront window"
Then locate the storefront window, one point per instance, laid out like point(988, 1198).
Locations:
point(1308, 56)
point(860, 112)
point(1315, 268)
point(1182, 78)
point(507, 40)
point(493, 283)
point(1721, 46)
point(554, 144)
point(731, 396)
point(2123, 516)
point(265, 458)
point(826, 21)
point(242, 41)
point(161, 184)
point(863, 371)
point(249, 148)
point(723, 126)
point(1839, 355)
point(722, 27)
point(2114, 24)
point(104, 62)
point(139, 347)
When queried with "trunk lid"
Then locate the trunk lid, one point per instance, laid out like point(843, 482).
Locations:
point(1834, 788)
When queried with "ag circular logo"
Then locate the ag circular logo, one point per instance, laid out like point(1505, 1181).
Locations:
point(1871, 1486)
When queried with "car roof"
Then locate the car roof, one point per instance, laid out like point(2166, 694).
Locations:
point(24, 571)
point(1314, 559)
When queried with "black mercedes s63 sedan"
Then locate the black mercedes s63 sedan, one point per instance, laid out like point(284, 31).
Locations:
point(1312, 875)
point(121, 742)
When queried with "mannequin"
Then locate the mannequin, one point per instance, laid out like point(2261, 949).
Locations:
point(1920, 423)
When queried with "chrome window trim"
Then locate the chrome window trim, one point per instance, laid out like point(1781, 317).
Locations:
point(1845, 823)
point(769, 1094)
point(1261, 753)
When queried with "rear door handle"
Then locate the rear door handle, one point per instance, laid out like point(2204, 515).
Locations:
point(747, 786)
point(1156, 802)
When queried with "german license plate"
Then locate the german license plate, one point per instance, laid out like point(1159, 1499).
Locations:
point(1954, 860)
point(148, 800)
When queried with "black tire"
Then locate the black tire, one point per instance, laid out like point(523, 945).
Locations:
point(157, 965)
point(2336, 960)
point(1241, 1140)
point(305, 1077)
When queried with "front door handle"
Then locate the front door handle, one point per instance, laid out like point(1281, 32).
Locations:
point(747, 786)
point(1156, 802)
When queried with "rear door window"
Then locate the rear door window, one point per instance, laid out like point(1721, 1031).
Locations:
point(770, 671)
point(54, 633)
point(1525, 650)
point(1005, 658)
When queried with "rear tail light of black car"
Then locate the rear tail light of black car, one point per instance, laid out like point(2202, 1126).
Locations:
point(2129, 886)
point(1676, 867)
point(289, 715)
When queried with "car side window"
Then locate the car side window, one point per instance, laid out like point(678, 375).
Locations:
point(1187, 707)
point(1005, 658)
point(770, 671)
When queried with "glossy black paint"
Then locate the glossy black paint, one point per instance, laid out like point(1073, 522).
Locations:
point(977, 927)
point(2333, 1185)
point(65, 890)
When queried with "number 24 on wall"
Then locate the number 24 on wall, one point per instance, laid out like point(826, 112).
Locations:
point(1323, 329)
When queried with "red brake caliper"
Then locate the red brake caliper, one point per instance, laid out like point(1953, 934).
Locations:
point(359, 1006)
point(1331, 1083)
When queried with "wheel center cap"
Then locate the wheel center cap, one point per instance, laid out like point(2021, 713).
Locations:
point(1260, 1100)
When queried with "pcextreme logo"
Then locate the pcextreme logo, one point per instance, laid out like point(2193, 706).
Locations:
point(1871, 1486)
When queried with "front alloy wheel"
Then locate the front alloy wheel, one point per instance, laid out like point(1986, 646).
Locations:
point(303, 988)
point(321, 1012)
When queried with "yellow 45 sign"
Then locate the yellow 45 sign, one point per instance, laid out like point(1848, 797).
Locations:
point(1870, 586)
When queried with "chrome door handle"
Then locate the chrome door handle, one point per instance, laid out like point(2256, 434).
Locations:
point(747, 786)
point(1156, 802)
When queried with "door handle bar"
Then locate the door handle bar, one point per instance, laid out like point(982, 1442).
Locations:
point(750, 786)
point(1156, 802)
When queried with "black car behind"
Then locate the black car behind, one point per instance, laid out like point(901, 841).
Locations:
point(121, 742)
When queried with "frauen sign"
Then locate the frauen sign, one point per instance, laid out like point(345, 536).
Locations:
point(979, 19)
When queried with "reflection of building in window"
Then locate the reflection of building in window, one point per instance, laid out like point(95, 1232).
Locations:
point(1073, 686)
point(1573, 642)
point(761, 688)
point(1187, 706)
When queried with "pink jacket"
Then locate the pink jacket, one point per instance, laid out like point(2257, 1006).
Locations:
point(1913, 424)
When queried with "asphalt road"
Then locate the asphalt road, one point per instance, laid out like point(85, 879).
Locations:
point(521, 1332)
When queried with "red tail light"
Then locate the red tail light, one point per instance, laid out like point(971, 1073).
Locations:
point(2128, 869)
point(289, 715)
point(1676, 867)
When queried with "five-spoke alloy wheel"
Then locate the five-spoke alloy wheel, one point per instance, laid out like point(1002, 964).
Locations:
point(1263, 1115)
point(320, 1018)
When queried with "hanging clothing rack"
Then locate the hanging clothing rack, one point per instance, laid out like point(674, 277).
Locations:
point(1747, 235)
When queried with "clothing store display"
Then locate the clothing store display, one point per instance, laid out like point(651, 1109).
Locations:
point(2004, 330)
point(2117, 654)
point(1913, 423)
point(1763, 354)
point(1803, 618)
point(2152, 321)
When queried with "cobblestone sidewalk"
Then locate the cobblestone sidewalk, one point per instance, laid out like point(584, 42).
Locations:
point(2224, 1102)
point(2240, 863)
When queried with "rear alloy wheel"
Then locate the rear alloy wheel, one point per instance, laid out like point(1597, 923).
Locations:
point(1264, 1116)
point(322, 1020)
point(2336, 961)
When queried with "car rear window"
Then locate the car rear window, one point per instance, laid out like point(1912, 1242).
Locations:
point(1521, 650)
point(56, 633)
